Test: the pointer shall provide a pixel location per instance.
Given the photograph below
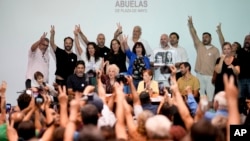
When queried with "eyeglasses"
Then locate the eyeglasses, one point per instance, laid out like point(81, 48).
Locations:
point(45, 45)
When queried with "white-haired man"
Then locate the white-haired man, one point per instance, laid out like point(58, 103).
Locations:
point(220, 106)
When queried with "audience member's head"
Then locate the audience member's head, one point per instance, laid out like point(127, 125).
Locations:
point(205, 131)
point(141, 120)
point(89, 114)
point(144, 97)
point(58, 134)
point(26, 130)
point(90, 133)
point(177, 132)
point(108, 133)
point(23, 100)
point(220, 101)
point(168, 110)
point(220, 122)
point(158, 127)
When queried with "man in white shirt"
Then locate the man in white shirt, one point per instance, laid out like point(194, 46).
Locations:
point(38, 60)
point(136, 37)
point(182, 53)
point(169, 57)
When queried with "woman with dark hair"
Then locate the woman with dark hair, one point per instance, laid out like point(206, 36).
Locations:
point(91, 58)
point(138, 61)
point(117, 56)
point(169, 59)
point(236, 46)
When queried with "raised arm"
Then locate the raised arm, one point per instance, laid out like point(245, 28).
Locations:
point(3, 102)
point(135, 96)
point(71, 125)
point(218, 67)
point(120, 127)
point(219, 32)
point(183, 110)
point(84, 38)
point(52, 38)
point(77, 43)
point(118, 31)
point(124, 43)
point(232, 99)
point(193, 33)
point(37, 43)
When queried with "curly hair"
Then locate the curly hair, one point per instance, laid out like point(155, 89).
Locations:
point(141, 120)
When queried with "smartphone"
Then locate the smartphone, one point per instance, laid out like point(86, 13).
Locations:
point(8, 107)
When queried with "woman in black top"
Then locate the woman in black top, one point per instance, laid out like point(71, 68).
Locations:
point(117, 56)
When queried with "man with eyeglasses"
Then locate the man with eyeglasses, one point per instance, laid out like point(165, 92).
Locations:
point(38, 60)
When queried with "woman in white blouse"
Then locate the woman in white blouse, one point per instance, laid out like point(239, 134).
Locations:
point(93, 61)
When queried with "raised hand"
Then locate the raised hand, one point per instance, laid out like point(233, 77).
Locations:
point(174, 86)
point(43, 36)
point(125, 41)
point(3, 87)
point(190, 20)
point(119, 27)
point(63, 98)
point(173, 69)
point(230, 88)
point(218, 28)
point(77, 29)
point(52, 30)
point(129, 79)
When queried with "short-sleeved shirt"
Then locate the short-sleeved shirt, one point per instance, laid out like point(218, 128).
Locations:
point(37, 61)
point(77, 83)
point(103, 52)
point(65, 63)
point(219, 84)
point(191, 81)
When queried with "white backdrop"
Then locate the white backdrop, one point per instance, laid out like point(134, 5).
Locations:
point(23, 22)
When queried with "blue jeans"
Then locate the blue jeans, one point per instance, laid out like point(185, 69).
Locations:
point(244, 87)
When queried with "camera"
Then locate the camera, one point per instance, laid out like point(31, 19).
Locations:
point(121, 78)
point(88, 97)
point(8, 107)
point(39, 99)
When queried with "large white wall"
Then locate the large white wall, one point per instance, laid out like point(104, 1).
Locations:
point(23, 22)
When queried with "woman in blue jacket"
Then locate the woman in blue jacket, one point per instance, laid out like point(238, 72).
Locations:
point(138, 61)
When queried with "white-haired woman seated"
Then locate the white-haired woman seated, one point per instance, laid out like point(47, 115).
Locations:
point(109, 78)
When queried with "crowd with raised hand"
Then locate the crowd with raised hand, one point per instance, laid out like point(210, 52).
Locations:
point(97, 96)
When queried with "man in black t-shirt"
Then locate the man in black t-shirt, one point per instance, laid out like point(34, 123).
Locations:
point(79, 80)
point(65, 59)
point(103, 50)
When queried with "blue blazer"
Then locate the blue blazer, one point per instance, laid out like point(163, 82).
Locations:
point(132, 56)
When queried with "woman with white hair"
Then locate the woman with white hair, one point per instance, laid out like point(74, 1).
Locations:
point(109, 78)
